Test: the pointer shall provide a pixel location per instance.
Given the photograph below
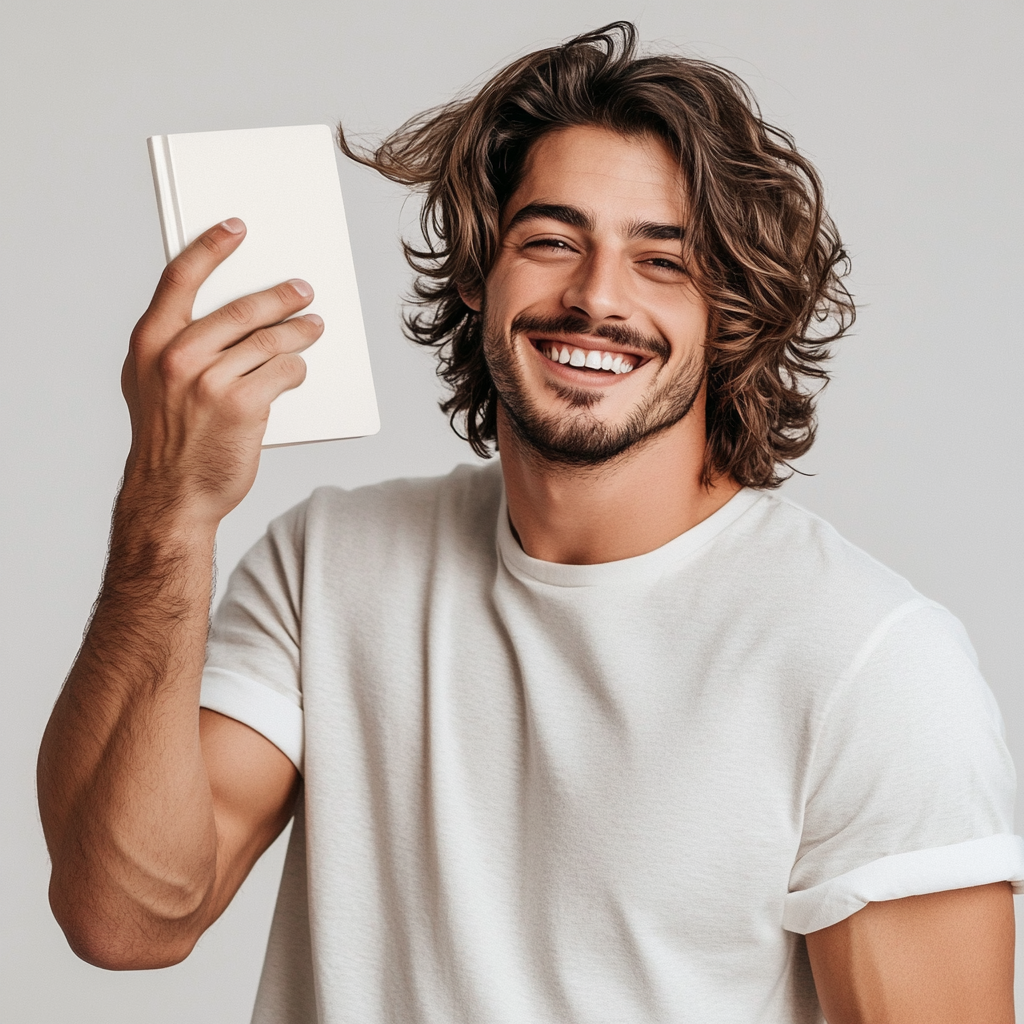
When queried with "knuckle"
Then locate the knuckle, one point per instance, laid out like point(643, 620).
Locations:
point(265, 341)
point(235, 406)
point(207, 388)
point(209, 242)
point(138, 347)
point(154, 327)
point(241, 311)
point(291, 368)
point(175, 274)
point(140, 334)
point(283, 372)
point(174, 363)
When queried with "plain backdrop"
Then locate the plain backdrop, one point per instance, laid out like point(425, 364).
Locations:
point(912, 112)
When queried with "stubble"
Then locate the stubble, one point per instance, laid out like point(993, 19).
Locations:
point(578, 438)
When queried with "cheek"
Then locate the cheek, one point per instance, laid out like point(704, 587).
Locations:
point(516, 285)
point(684, 325)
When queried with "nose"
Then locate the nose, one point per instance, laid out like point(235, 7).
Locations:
point(599, 289)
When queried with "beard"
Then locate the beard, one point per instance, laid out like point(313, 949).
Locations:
point(578, 438)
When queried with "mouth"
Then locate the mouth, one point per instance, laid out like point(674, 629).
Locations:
point(587, 359)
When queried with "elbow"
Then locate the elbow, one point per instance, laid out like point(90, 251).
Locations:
point(121, 942)
point(113, 953)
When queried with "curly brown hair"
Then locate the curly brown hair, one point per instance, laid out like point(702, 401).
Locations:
point(759, 243)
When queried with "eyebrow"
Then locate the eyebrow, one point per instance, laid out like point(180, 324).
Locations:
point(655, 232)
point(577, 218)
point(571, 215)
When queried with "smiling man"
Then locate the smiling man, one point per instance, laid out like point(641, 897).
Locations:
point(607, 732)
point(593, 335)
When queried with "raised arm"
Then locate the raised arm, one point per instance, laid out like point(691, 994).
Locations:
point(154, 812)
point(944, 958)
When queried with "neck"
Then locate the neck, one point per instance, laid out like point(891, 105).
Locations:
point(619, 509)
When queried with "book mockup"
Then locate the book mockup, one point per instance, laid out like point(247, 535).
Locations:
point(283, 182)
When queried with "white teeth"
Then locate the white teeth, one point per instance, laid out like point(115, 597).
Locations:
point(592, 359)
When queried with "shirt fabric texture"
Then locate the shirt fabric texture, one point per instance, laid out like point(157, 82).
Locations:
point(595, 794)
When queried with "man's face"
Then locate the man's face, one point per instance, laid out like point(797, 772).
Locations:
point(592, 329)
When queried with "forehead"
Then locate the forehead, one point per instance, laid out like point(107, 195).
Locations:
point(613, 176)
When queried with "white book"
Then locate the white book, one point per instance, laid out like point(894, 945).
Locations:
point(283, 182)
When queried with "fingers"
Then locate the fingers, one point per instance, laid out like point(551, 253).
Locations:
point(243, 381)
point(199, 392)
point(172, 301)
point(248, 355)
point(277, 375)
point(166, 335)
point(234, 340)
point(225, 326)
point(243, 403)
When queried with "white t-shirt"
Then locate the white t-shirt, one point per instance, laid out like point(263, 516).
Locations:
point(595, 794)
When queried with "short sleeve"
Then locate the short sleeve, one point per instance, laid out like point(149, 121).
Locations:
point(252, 671)
point(910, 787)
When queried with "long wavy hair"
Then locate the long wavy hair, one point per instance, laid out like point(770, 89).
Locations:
point(759, 244)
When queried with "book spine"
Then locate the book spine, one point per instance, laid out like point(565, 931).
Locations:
point(166, 195)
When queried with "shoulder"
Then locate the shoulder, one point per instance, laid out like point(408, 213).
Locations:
point(415, 494)
point(803, 561)
point(827, 605)
point(395, 515)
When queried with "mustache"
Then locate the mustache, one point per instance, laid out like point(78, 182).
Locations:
point(573, 323)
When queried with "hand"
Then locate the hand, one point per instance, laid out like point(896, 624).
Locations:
point(199, 392)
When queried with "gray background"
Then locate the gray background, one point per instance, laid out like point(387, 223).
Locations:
point(911, 111)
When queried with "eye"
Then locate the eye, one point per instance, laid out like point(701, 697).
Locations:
point(665, 263)
point(549, 243)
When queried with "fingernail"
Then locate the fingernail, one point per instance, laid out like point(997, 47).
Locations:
point(301, 287)
point(314, 319)
point(234, 225)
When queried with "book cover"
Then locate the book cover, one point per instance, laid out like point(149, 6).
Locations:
point(283, 182)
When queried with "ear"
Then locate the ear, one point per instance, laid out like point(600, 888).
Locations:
point(471, 297)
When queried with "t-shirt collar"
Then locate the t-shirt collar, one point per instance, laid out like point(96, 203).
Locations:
point(626, 570)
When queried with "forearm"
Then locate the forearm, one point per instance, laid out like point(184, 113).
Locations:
point(124, 796)
point(148, 845)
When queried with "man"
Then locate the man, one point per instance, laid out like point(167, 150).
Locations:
point(597, 734)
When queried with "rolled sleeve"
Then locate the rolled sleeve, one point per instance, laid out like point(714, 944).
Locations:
point(976, 862)
point(268, 712)
point(253, 663)
point(910, 789)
